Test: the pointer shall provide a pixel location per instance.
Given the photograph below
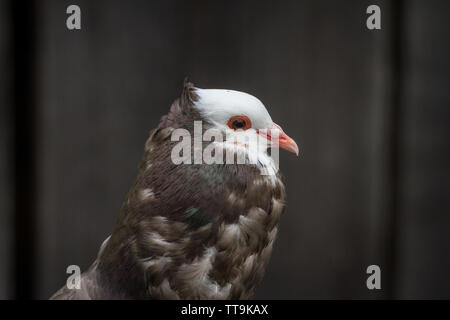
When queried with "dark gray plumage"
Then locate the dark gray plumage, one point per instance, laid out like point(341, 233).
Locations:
point(186, 231)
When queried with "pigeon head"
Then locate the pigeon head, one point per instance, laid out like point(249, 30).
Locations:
point(239, 116)
point(242, 117)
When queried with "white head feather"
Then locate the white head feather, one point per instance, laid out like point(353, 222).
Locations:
point(219, 105)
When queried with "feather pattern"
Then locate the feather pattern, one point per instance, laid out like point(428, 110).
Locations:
point(186, 231)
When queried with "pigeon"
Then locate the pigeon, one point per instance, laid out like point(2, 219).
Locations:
point(191, 229)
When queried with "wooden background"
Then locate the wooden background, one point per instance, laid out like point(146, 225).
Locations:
point(369, 109)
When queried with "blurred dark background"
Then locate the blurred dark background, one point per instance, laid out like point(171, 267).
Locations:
point(370, 110)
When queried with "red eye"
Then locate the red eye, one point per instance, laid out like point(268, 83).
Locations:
point(239, 123)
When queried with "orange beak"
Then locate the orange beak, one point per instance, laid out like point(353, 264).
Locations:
point(279, 139)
